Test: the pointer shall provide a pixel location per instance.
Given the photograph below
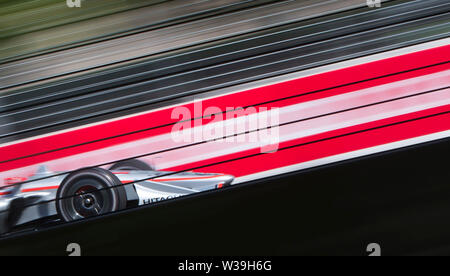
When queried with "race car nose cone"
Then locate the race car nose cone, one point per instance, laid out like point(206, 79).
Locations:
point(226, 181)
point(230, 180)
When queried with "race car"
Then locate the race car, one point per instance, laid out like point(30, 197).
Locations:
point(90, 192)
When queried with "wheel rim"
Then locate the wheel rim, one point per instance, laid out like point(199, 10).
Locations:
point(88, 202)
point(88, 198)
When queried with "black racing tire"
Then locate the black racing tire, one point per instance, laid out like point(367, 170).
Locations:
point(89, 193)
point(131, 165)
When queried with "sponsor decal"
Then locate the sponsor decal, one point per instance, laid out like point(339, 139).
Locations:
point(158, 199)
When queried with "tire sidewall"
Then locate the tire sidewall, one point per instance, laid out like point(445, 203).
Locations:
point(116, 193)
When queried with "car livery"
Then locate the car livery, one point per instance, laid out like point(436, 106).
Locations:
point(95, 191)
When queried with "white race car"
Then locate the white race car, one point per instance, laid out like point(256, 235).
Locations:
point(95, 191)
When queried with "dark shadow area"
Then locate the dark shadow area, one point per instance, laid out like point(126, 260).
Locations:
point(400, 200)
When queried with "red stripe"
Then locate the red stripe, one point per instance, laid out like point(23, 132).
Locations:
point(333, 146)
point(414, 126)
point(15, 180)
point(268, 93)
point(324, 148)
point(81, 149)
point(4, 193)
point(39, 189)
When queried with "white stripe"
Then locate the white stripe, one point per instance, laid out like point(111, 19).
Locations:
point(343, 157)
point(266, 82)
point(209, 150)
point(303, 129)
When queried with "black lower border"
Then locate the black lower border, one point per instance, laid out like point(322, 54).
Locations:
point(399, 200)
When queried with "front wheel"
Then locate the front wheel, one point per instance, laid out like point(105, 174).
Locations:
point(88, 193)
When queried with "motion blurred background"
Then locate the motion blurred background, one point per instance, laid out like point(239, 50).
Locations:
point(69, 77)
point(35, 25)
